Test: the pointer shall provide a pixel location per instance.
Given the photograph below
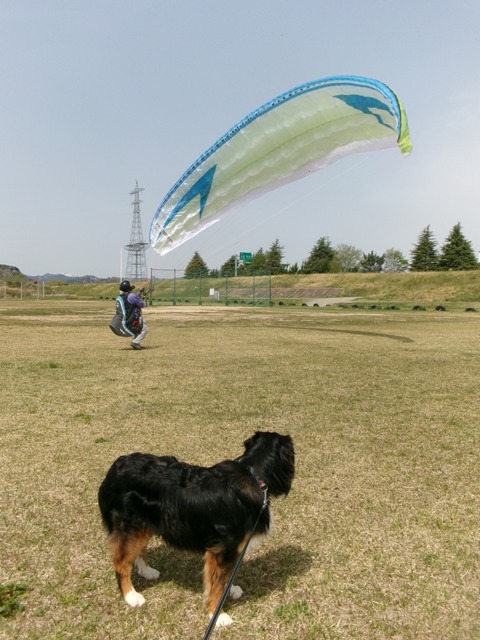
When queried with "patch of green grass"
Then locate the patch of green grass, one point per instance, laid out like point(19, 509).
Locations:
point(10, 595)
point(83, 417)
point(458, 289)
point(292, 610)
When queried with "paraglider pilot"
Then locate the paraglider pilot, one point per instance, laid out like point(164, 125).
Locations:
point(128, 320)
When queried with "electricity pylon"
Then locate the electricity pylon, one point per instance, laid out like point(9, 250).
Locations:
point(136, 262)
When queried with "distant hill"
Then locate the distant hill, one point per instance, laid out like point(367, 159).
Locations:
point(7, 271)
point(63, 277)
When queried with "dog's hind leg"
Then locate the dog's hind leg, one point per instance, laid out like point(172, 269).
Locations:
point(216, 573)
point(126, 549)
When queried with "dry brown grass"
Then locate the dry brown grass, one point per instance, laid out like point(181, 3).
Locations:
point(379, 537)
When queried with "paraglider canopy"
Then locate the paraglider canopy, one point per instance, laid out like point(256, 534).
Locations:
point(300, 131)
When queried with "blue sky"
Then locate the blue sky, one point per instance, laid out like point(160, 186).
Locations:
point(98, 94)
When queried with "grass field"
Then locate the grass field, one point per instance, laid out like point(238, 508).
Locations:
point(379, 537)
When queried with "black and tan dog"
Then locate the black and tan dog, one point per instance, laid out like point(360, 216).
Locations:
point(210, 510)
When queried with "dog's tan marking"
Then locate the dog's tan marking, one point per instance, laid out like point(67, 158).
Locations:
point(253, 545)
point(125, 552)
point(242, 544)
point(216, 573)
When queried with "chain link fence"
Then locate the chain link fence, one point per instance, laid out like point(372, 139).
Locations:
point(170, 286)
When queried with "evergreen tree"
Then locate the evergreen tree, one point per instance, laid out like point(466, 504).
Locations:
point(274, 258)
point(228, 267)
point(372, 262)
point(196, 268)
point(395, 261)
point(457, 252)
point(424, 255)
point(293, 268)
point(320, 258)
point(258, 261)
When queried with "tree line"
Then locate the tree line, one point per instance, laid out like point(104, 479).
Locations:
point(455, 254)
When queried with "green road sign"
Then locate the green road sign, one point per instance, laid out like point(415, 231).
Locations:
point(245, 257)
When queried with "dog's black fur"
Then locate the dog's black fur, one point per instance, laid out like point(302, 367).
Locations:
point(210, 510)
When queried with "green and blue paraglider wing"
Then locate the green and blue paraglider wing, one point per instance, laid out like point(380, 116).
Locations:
point(295, 134)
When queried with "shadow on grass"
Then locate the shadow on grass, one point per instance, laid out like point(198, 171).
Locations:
point(146, 347)
point(370, 334)
point(257, 575)
point(353, 332)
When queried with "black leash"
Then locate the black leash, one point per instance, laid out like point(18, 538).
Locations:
point(226, 591)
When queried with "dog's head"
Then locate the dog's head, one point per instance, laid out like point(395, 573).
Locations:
point(272, 457)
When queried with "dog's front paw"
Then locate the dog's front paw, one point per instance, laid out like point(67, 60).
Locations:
point(236, 592)
point(134, 599)
point(223, 620)
point(149, 573)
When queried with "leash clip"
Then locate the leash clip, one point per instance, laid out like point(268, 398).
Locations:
point(265, 496)
point(264, 490)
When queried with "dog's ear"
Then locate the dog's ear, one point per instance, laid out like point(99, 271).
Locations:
point(287, 440)
point(249, 442)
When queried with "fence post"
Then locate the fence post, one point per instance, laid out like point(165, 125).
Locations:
point(174, 287)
